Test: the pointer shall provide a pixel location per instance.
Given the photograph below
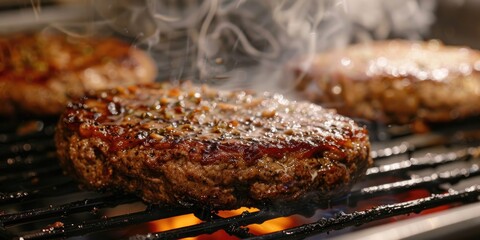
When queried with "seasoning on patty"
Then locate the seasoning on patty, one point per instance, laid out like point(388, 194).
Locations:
point(187, 144)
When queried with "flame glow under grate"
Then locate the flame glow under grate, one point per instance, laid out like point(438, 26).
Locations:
point(412, 173)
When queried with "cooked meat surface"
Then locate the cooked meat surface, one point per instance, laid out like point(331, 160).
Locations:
point(397, 81)
point(40, 73)
point(188, 144)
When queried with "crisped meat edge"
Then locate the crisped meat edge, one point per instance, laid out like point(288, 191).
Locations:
point(221, 185)
point(135, 139)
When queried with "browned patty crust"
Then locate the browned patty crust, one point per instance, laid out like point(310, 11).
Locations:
point(196, 145)
point(398, 81)
point(40, 73)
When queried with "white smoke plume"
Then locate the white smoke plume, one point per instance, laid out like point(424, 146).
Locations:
point(247, 43)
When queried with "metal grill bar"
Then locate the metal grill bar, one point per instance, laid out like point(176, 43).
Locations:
point(376, 213)
point(63, 186)
point(243, 219)
point(105, 224)
point(267, 214)
point(65, 209)
point(428, 182)
point(21, 160)
point(25, 176)
point(428, 161)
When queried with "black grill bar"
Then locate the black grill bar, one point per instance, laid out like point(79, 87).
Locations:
point(426, 141)
point(231, 225)
point(428, 161)
point(53, 169)
point(30, 166)
point(243, 219)
point(376, 213)
point(104, 224)
point(65, 209)
point(232, 229)
point(11, 197)
point(249, 218)
point(63, 186)
point(427, 182)
point(264, 215)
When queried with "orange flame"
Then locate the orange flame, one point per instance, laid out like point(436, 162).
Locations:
point(269, 226)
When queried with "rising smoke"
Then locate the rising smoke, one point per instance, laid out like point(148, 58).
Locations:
point(249, 43)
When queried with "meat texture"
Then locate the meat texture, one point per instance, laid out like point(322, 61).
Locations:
point(194, 145)
point(396, 81)
point(40, 73)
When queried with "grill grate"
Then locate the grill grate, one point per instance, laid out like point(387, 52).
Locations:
point(38, 202)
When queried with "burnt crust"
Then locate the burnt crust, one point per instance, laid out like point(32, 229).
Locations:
point(182, 145)
point(40, 73)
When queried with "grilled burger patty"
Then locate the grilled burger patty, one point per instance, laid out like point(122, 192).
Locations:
point(398, 81)
point(40, 73)
point(183, 145)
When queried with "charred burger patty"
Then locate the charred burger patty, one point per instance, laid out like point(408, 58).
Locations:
point(183, 145)
point(40, 73)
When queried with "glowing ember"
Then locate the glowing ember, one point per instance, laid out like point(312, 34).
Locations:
point(269, 226)
point(174, 222)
